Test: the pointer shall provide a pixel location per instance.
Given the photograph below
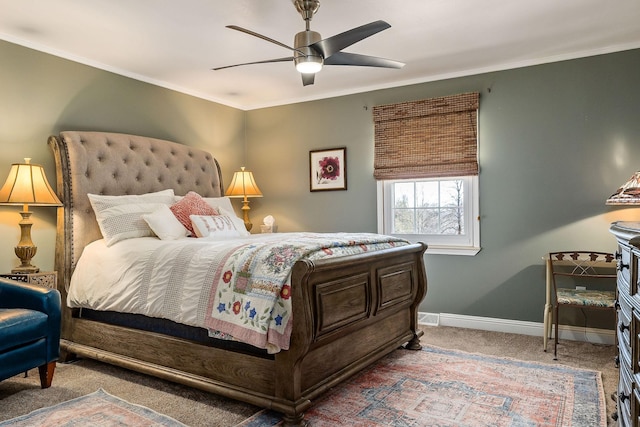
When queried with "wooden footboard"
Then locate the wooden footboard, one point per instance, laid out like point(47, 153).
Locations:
point(348, 312)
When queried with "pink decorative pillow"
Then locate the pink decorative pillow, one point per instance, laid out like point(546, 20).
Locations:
point(191, 204)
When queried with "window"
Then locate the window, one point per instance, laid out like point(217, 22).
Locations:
point(426, 164)
point(440, 212)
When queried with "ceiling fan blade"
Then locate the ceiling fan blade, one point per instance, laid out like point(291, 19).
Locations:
point(260, 36)
point(289, 58)
point(307, 78)
point(333, 44)
point(344, 58)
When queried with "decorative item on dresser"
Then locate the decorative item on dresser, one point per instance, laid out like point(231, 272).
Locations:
point(628, 255)
point(628, 194)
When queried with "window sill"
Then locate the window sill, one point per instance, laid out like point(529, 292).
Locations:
point(452, 250)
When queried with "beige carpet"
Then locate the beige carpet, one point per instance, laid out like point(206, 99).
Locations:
point(19, 395)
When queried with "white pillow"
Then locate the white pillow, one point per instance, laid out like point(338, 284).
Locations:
point(216, 226)
point(122, 222)
point(237, 222)
point(120, 217)
point(220, 202)
point(165, 224)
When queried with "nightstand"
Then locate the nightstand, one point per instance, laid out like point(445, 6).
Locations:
point(47, 279)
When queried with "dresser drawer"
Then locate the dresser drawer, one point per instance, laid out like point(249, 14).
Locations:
point(623, 285)
point(624, 263)
point(635, 341)
point(624, 353)
point(624, 397)
point(624, 348)
point(623, 328)
point(632, 272)
point(625, 304)
point(635, 407)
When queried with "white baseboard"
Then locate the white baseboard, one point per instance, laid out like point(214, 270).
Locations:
point(572, 333)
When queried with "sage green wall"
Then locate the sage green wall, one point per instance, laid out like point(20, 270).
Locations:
point(555, 141)
point(42, 95)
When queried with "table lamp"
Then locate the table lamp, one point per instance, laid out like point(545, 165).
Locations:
point(27, 185)
point(243, 185)
point(628, 193)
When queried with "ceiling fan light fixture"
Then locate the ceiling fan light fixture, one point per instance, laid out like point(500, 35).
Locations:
point(307, 60)
point(308, 64)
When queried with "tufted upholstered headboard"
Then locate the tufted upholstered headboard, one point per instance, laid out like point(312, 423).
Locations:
point(118, 164)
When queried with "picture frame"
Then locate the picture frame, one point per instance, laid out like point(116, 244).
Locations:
point(328, 169)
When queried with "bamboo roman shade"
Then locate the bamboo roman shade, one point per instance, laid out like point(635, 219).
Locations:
point(430, 138)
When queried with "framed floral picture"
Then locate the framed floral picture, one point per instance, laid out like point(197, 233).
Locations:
point(328, 169)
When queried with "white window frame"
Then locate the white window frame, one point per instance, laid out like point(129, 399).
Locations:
point(437, 244)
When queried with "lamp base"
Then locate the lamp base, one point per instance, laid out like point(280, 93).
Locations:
point(25, 253)
point(245, 213)
point(25, 270)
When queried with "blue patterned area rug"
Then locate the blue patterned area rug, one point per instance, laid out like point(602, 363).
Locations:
point(98, 409)
point(445, 388)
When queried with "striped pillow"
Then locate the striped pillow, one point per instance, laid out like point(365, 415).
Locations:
point(120, 217)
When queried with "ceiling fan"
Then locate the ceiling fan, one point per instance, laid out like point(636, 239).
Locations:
point(311, 52)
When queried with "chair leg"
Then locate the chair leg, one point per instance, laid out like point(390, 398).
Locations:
point(46, 374)
point(555, 345)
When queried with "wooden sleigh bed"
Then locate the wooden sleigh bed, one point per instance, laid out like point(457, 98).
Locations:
point(347, 312)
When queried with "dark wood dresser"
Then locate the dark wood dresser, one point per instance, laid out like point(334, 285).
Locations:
point(628, 254)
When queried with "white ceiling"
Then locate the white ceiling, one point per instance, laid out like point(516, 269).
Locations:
point(175, 44)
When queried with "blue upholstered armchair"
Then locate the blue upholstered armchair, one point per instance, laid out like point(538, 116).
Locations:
point(29, 329)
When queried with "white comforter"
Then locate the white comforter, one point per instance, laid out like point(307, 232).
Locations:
point(157, 278)
point(237, 287)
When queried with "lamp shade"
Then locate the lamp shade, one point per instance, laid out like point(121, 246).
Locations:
point(27, 185)
point(628, 194)
point(243, 185)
